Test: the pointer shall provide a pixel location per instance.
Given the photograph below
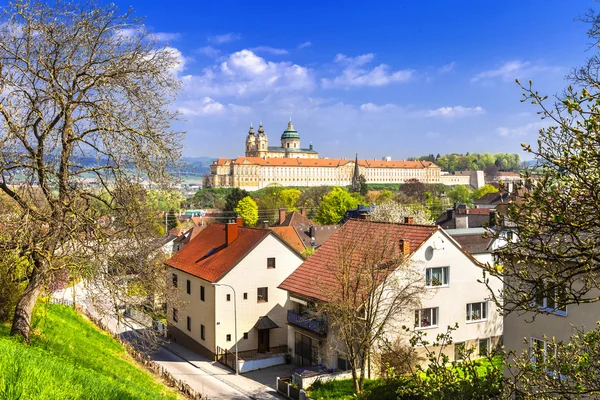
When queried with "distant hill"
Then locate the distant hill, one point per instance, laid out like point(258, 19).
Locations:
point(196, 165)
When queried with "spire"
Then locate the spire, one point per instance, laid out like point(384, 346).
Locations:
point(356, 176)
point(290, 125)
point(251, 131)
point(260, 128)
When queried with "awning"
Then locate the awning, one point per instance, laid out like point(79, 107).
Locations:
point(265, 323)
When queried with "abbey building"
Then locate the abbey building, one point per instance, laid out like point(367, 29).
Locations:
point(291, 165)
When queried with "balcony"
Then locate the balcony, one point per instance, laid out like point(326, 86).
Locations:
point(310, 323)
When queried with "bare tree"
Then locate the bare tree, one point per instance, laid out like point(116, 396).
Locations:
point(392, 211)
point(84, 91)
point(374, 291)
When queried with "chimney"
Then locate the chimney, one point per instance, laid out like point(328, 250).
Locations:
point(363, 216)
point(282, 215)
point(409, 220)
point(492, 218)
point(311, 231)
point(231, 232)
point(461, 221)
point(266, 224)
point(405, 247)
point(239, 221)
point(449, 213)
point(303, 212)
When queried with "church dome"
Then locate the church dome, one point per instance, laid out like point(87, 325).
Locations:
point(290, 132)
point(261, 130)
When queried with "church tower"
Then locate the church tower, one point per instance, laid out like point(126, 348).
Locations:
point(262, 143)
point(290, 139)
point(251, 143)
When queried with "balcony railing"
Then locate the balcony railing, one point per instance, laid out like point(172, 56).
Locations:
point(313, 324)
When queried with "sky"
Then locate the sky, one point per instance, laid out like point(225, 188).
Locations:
point(399, 79)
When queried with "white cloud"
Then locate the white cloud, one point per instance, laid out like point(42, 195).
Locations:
point(268, 49)
point(225, 38)
point(523, 130)
point(209, 51)
point(511, 70)
point(304, 45)
point(457, 111)
point(399, 111)
point(354, 74)
point(444, 69)
point(244, 73)
point(166, 36)
point(179, 59)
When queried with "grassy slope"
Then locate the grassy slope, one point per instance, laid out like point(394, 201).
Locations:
point(69, 358)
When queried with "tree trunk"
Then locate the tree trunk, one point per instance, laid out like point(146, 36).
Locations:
point(22, 320)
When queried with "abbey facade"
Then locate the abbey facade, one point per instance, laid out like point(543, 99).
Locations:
point(292, 165)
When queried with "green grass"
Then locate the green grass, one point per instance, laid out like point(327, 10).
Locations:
point(69, 358)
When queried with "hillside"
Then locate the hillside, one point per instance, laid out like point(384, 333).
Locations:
point(69, 358)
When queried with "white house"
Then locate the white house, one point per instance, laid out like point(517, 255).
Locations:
point(452, 292)
point(226, 270)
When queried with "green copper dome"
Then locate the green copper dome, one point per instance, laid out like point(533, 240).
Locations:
point(290, 132)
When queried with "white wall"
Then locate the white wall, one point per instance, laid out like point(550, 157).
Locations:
point(250, 274)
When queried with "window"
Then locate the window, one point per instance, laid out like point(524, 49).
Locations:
point(436, 276)
point(484, 347)
point(189, 324)
point(245, 335)
point(552, 299)
point(245, 296)
point(189, 286)
point(228, 337)
point(342, 363)
point(509, 236)
point(202, 331)
point(202, 293)
point(477, 311)
point(426, 317)
point(271, 262)
point(174, 280)
point(175, 315)
point(263, 294)
point(537, 349)
point(459, 351)
point(228, 297)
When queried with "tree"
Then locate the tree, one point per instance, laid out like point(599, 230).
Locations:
point(289, 198)
point(165, 200)
point(373, 290)
point(460, 194)
point(394, 212)
point(172, 221)
point(234, 197)
point(555, 219)
point(482, 191)
point(414, 188)
point(364, 188)
point(334, 205)
point(248, 210)
point(384, 196)
point(80, 82)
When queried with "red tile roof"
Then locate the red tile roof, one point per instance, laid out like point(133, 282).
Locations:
point(206, 255)
point(289, 234)
point(358, 237)
point(323, 162)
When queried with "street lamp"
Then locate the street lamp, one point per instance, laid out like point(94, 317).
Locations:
point(237, 365)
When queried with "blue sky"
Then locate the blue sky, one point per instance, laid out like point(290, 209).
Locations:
point(399, 79)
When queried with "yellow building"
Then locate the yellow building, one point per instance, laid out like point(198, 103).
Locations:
point(257, 145)
point(291, 165)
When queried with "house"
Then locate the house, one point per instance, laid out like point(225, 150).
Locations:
point(311, 234)
point(360, 212)
point(460, 216)
point(228, 275)
point(452, 293)
point(185, 237)
point(492, 200)
point(289, 234)
point(479, 242)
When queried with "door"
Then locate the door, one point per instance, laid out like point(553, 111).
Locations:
point(263, 340)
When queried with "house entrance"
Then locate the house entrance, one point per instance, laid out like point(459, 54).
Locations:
point(263, 340)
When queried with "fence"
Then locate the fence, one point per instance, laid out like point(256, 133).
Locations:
point(288, 389)
point(227, 357)
point(140, 357)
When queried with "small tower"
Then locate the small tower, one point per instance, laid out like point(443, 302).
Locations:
point(262, 143)
point(290, 139)
point(251, 143)
point(356, 177)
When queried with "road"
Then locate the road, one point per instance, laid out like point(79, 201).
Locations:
point(210, 386)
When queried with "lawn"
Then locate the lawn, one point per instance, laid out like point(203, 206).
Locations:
point(378, 389)
point(69, 358)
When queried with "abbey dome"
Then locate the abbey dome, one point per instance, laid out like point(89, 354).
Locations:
point(257, 145)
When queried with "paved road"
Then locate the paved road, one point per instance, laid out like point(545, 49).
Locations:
point(210, 386)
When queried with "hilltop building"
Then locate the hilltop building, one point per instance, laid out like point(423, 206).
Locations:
point(292, 165)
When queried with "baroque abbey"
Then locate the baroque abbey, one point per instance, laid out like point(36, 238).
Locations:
point(292, 165)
